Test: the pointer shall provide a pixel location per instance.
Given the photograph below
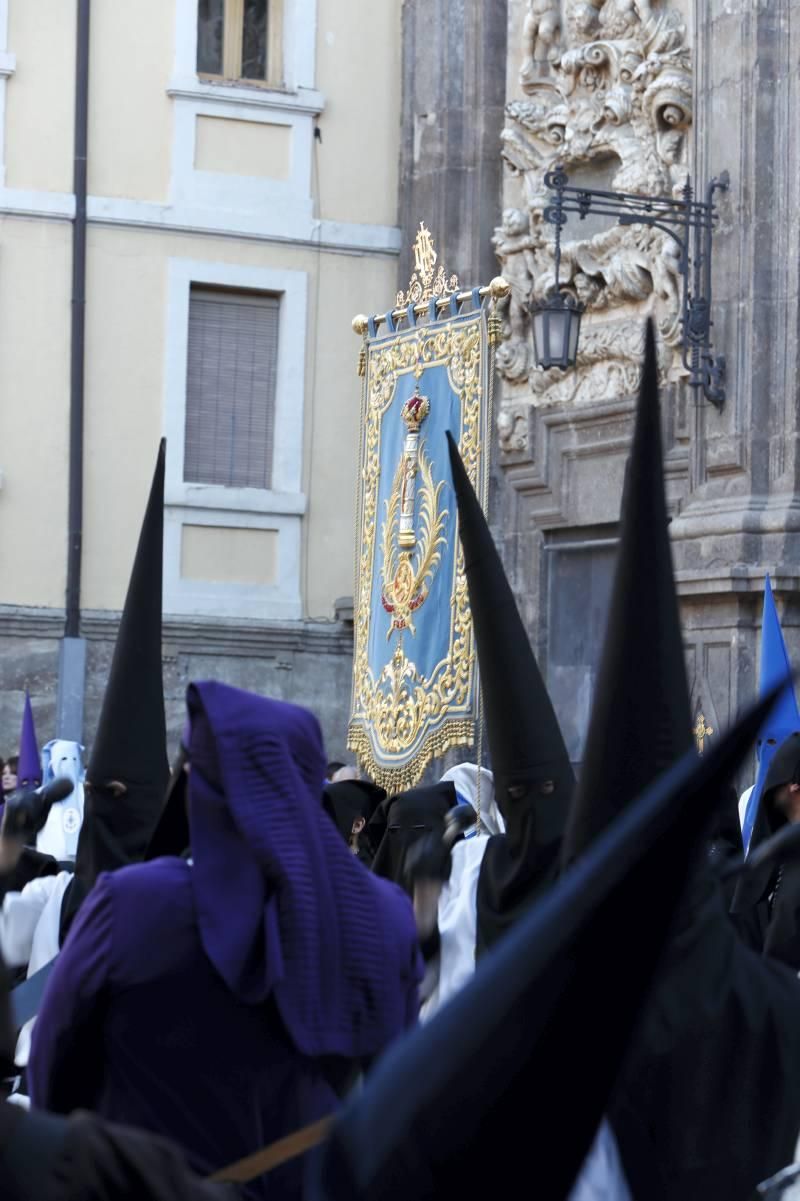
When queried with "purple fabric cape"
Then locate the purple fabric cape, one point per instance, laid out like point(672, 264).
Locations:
point(282, 905)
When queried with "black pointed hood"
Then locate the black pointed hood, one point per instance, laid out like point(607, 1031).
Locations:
point(529, 758)
point(131, 741)
point(400, 821)
point(641, 717)
point(526, 1056)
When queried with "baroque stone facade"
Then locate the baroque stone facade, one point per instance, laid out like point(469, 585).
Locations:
point(606, 91)
point(633, 95)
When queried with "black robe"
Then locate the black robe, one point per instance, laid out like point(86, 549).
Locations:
point(709, 1102)
point(517, 868)
point(766, 903)
point(48, 1158)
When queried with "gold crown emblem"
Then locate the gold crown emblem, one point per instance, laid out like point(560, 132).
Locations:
point(414, 411)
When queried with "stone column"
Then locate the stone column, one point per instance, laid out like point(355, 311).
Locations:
point(454, 55)
point(741, 516)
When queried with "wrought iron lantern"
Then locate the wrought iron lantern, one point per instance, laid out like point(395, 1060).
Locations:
point(556, 318)
point(556, 326)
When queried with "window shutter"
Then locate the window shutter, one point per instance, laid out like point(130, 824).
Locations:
point(230, 388)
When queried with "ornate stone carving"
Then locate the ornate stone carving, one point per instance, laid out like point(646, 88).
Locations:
point(607, 92)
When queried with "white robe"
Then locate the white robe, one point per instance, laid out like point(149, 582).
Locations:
point(29, 929)
point(458, 923)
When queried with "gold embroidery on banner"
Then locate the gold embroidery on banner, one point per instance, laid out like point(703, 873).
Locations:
point(403, 715)
point(406, 583)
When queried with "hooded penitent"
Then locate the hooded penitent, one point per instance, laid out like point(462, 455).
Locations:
point(59, 836)
point(128, 769)
point(641, 716)
point(689, 1122)
point(349, 801)
point(533, 778)
point(402, 820)
point(283, 908)
point(531, 1047)
point(29, 768)
point(475, 787)
point(766, 902)
point(775, 669)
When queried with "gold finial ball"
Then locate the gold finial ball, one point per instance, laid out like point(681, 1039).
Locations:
point(360, 325)
point(499, 287)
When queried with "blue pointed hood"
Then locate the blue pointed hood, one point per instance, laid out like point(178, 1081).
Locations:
point(785, 716)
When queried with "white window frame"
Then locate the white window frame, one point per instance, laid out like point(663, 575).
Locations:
point(280, 508)
point(235, 203)
point(245, 199)
point(299, 27)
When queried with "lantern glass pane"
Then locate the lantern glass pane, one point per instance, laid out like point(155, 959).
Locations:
point(558, 332)
point(575, 325)
point(539, 346)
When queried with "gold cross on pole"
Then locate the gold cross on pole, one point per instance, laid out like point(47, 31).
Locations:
point(701, 733)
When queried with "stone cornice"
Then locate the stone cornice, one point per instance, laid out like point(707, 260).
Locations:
point(182, 635)
point(741, 578)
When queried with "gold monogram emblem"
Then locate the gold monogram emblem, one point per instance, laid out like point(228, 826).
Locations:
point(410, 560)
point(426, 282)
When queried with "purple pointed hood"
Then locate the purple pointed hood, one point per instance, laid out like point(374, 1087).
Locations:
point(29, 769)
point(283, 907)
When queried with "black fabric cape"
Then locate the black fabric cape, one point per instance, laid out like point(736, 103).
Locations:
point(766, 903)
point(503, 1090)
point(48, 1158)
point(709, 1102)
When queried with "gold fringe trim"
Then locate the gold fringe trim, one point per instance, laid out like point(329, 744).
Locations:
point(455, 732)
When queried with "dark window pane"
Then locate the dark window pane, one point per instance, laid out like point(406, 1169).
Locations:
point(580, 581)
point(210, 36)
point(230, 388)
point(254, 40)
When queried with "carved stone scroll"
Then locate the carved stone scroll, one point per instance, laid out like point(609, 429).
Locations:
point(606, 90)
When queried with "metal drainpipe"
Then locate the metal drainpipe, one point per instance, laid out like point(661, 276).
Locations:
point(72, 665)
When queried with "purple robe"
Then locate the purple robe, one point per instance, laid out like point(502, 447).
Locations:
point(223, 1003)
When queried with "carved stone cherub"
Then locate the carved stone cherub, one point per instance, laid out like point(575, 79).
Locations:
point(541, 34)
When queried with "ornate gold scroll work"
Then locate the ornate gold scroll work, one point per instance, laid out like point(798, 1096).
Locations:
point(426, 282)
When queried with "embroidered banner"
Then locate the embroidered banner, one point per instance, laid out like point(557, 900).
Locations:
point(415, 690)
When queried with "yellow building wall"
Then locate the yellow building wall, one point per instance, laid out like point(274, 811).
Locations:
point(358, 71)
point(332, 436)
point(34, 407)
point(251, 148)
point(126, 329)
point(130, 113)
point(40, 95)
